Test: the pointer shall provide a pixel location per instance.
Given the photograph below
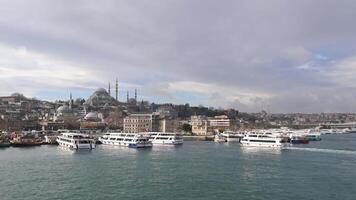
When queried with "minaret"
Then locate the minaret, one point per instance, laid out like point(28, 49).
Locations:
point(70, 100)
point(109, 91)
point(136, 94)
point(127, 97)
point(117, 89)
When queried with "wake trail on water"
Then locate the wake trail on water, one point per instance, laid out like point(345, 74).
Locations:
point(324, 150)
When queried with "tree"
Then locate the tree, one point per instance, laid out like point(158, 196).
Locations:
point(187, 128)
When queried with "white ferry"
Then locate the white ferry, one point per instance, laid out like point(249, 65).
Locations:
point(164, 138)
point(132, 140)
point(76, 141)
point(231, 136)
point(262, 140)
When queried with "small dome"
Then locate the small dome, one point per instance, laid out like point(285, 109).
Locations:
point(91, 116)
point(63, 109)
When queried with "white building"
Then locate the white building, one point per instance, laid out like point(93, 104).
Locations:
point(199, 125)
point(136, 123)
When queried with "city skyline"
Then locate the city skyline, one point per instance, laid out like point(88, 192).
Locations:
point(282, 56)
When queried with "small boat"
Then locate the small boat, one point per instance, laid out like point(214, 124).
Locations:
point(299, 140)
point(219, 138)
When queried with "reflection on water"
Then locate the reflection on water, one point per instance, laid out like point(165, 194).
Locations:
point(323, 150)
point(160, 148)
point(258, 150)
point(68, 151)
point(119, 149)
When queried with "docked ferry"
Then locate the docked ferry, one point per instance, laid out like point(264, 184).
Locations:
point(262, 140)
point(231, 136)
point(76, 141)
point(132, 140)
point(164, 138)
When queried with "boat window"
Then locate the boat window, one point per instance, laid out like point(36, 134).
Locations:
point(265, 141)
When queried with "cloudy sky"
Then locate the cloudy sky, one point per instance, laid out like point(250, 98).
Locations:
point(277, 55)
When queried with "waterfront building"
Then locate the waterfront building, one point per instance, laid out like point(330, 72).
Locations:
point(199, 125)
point(164, 123)
point(168, 124)
point(219, 123)
point(135, 123)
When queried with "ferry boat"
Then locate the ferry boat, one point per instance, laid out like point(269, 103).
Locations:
point(164, 138)
point(132, 140)
point(231, 137)
point(76, 141)
point(262, 140)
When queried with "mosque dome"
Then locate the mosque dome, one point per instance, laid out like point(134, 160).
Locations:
point(100, 98)
point(92, 116)
point(101, 91)
point(63, 109)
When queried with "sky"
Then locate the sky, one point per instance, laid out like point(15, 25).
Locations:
point(276, 55)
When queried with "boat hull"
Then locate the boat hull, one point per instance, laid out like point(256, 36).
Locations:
point(73, 146)
point(4, 145)
point(130, 145)
point(299, 141)
point(25, 144)
point(313, 138)
point(257, 144)
point(164, 142)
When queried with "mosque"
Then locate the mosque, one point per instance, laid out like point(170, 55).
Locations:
point(99, 111)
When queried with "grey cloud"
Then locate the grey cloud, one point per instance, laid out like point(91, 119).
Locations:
point(256, 45)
